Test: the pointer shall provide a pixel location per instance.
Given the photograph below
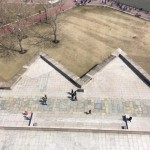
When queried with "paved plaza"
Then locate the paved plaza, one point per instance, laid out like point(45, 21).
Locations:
point(37, 140)
point(39, 79)
point(116, 81)
point(99, 107)
point(111, 92)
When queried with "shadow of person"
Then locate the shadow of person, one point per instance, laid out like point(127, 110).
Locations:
point(26, 118)
point(86, 113)
point(70, 97)
point(69, 93)
point(41, 102)
point(24, 114)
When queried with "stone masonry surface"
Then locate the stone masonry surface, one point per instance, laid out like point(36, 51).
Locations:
point(116, 81)
point(53, 140)
point(66, 106)
point(113, 91)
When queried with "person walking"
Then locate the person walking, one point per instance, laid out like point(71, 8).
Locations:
point(71, 91)
point(44, 99)
point(72, 94)
point(75, 95)
point(90, 111)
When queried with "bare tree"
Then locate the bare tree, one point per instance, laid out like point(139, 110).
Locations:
point(7, 46)
point(45, 6)
point(12, 42)
point(16, 29)
point(5, 11)
point(53, 22)
point(10, 12)
point(19, 34)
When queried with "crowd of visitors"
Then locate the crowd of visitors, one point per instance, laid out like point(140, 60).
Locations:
point(126, 8)
point(138, 12)
point(81, 2)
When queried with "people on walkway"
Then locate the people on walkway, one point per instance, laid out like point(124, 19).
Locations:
point(103, 1)
point(90, 111)
point(74, 95)
point(44, 99)
point(129, 119)
point(126, 8)
point(72, 92)
point(27, 115)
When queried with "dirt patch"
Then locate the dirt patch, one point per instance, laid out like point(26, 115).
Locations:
point(2, 79)
point(88, 36)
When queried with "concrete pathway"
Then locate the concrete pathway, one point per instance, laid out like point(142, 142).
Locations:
point(40, 79)
point(37, 140)
point(115, 81)
point(72, 122)
point(13, 119)
point(105, 107)
point(113, 92)
point(90, 121)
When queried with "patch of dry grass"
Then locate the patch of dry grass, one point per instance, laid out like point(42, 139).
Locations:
point(88, 36)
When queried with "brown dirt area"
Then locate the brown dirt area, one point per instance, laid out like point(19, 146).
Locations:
point(88, 36)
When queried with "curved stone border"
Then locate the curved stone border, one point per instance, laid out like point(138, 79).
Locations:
point(127, 12)
point(119, 11)
point(134, 4)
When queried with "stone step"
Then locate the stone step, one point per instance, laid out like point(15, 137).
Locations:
point(83, 122)
point(74, 122)
point(89, 122)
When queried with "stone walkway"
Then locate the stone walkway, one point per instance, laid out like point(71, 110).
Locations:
point(39, 79)
point(52, 140)
point(62, 121)
point(114, 91)
point(91, 122)
point(115, 81)
point(13, 119)
point(66, 106)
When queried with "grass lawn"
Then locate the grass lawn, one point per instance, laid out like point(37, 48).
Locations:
point(88, 36)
